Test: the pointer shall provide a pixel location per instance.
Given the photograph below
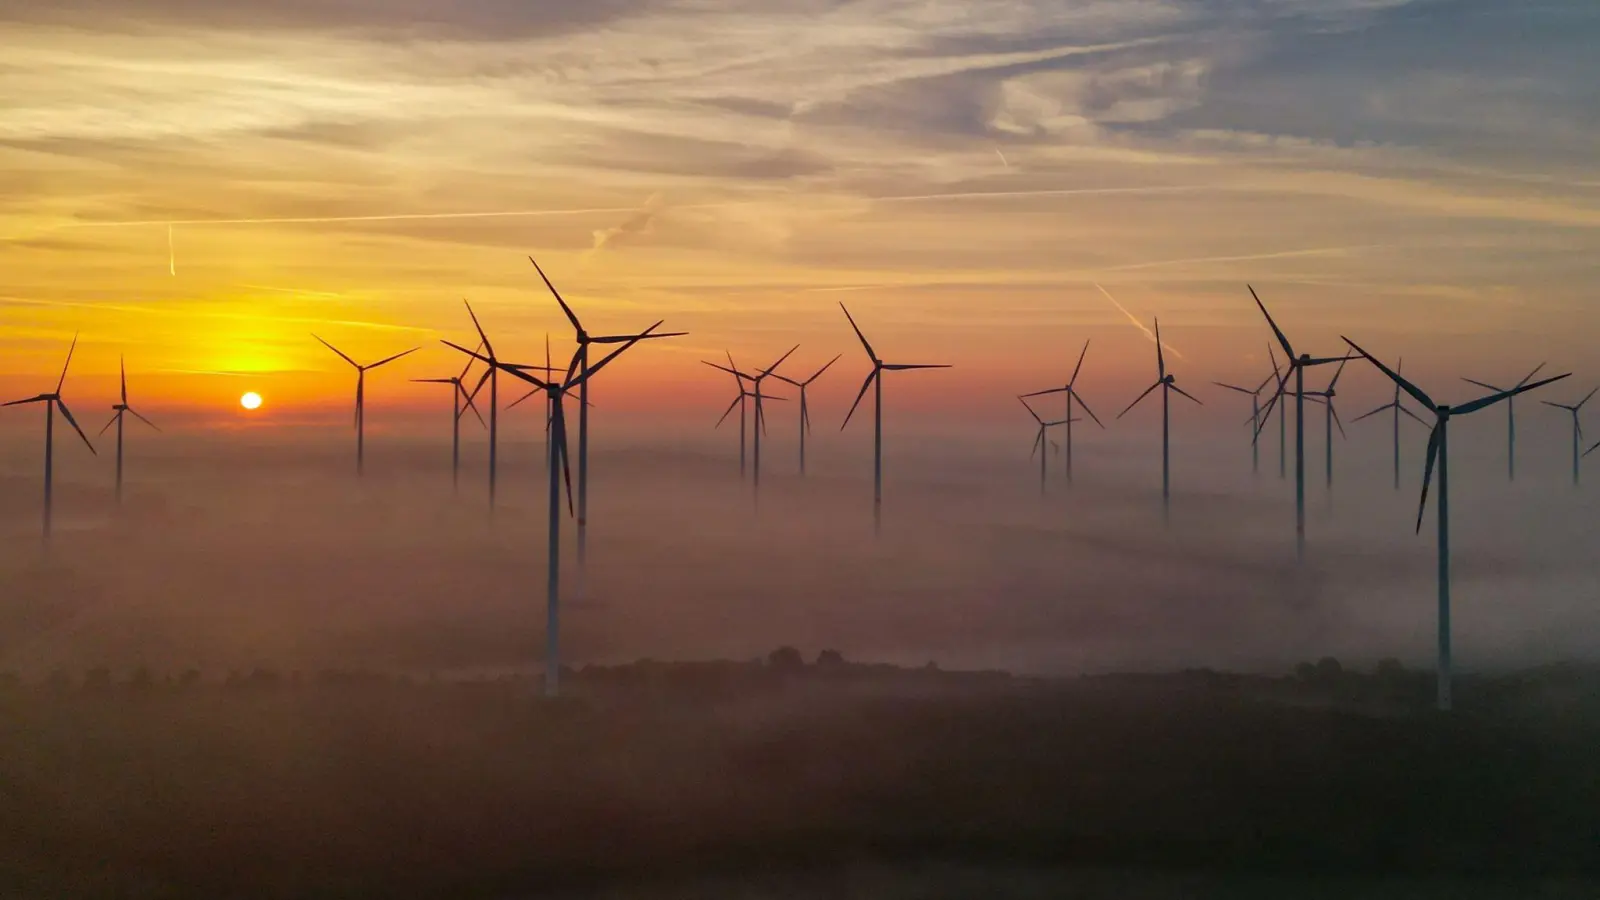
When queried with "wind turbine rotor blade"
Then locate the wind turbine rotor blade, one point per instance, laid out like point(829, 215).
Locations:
point(1336, 373)
point(1405, 385)
point(122, 366)
point(141, 418)
point(528, 396)
point(1266, 411)
point(1418, 419)
point(472, 353)
point(1141, 397)
point(864, 385)
point(734, 372)
point(857, 329)
point(560, 434)
point(630, 338)
point(1079, 397)
point(1283, 339)
point(1591, 449)
point(902, 367)
point(1476, 405)
point(1186, 394)
point(324, 343)
point(1427, 472)
point(1334, 411)
point(1536, 370)
point(823, 369)
point(113, 421)
point(1369, 415)
point(38, 399)
point(1037, 441)
point(67, 414)
point(1236, 388)
point(471, 405)
point(571, 316)
point(729, 411)
point(805, 414)
point(1059, 390)
point(390, 359)
point(1485, 386)
point(482, 337)
point(769, 370)
point(1030, 410)
point(1161, 356)
point(432, 380)
point(1587, 398)
point(70, 350)
point(1559, 406)
point(1079, 367)
point(468, 367)
point(1326, 360)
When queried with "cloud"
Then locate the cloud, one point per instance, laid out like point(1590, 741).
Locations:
point(638, 223)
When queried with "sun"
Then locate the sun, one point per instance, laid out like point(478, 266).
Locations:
point(251, 400)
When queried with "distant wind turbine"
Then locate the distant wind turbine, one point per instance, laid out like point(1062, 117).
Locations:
point(52, 401)
point(1168, 383)
point(361, 397)
point(557, 390)
point(581, 364)
point(761, 416)
point(121, 408)
point(1328, 396)
point(1511, 419)
point(1255, 414)
point(739, 378)
point(1039, 442)
point(805, 410)
point(1577, 429)
point(458, 393)
point(875, 377)
point(1439, 452)
point(1298, 363)
point(1399, 408)
point(1071, 390)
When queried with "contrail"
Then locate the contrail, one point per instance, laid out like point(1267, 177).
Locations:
point(1136, 323)
point(1003, 160)
point(1040, 192)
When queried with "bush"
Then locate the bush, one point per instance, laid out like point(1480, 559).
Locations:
point(786, 659)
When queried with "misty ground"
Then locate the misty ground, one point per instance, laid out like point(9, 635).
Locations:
point(260, 571)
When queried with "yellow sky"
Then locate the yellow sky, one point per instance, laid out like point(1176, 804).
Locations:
point(962, 174)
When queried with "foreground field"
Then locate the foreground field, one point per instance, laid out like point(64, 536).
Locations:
point(744, 781)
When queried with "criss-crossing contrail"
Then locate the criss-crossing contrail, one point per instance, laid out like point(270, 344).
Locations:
point(1135, 321)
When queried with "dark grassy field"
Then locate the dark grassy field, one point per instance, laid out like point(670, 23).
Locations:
point(744, 780)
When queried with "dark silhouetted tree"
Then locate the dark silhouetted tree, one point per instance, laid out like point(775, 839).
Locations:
point(1329, 670)
point(830, 658)
point(786, 659)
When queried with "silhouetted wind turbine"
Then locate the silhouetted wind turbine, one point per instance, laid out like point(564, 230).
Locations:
point(739, 378)
point(121, 408)
point(1328, 396)
point(584, 339)
point(805, 411)
point(1399, 408)
point(1511, 419)
point(52, 401)
point(361, 397)
point(1255, 414)
point(557, 391)
point(458, 392)
point(1167, 383)
point(1039, 442)
point(761, 417)
point(1071, 390)
point(1439, 452)
point(1577, 428)
point(1298, 363)
point(876, 377)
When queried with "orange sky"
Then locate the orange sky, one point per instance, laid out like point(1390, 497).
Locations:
point(964, 176)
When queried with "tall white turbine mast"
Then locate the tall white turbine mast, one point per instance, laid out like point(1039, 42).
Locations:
point(1439, 453)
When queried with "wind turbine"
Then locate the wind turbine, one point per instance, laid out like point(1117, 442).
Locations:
point(1332, 416)
point(1577, 428)
point(122, 407)
point(557, 391)
point(1511, 419)
point(805, 412)
point(52, 401)
point(458, 393)
point(1298, 363)
point(1071, 390)
point(739, 378)
point(581, 361)
point(1399, 408)
point(361, 397)
point(1039, 442)
point(1439, 452)
point(876, 377)
point(1255, 412)
point(1168, 384)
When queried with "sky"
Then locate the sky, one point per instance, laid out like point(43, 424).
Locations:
point(199, 186)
